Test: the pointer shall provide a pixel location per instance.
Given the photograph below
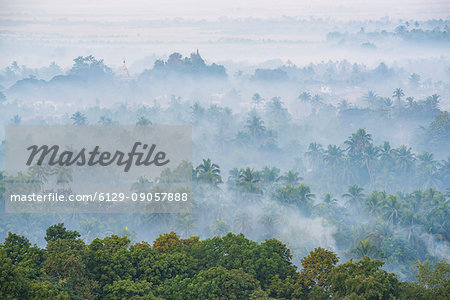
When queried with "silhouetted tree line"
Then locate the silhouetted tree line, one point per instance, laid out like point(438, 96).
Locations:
point(194, 65)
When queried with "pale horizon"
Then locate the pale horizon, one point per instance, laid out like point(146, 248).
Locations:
point(209, 10)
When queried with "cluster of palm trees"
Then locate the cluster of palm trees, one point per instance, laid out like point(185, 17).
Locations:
point(308, 98)
point(393, 227)
point(36, 177)
point(207, 172)
point(245, 180)
point(409, 105)
point(420, 219)
point(80, 119)
point(358, 160)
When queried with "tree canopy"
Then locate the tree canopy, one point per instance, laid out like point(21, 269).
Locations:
point(229, 267)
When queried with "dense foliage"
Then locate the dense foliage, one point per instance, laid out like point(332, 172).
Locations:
point(278, 153)
point(229, 267)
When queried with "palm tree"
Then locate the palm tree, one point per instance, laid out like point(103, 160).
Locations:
point(209, 172)
point(257, 99)
point(143, 121)
point(248, 181)
point(386, 152)
point(429, 236)
point(371, 155)
point(382, 231)
point(333, 156)
point(79, 119)
point(305, 97)
point(354, 196)
point(330, 209)
point(414, 79)
point(432, 101)
point(409, 220)
point(392, 208)
point(305, 195)
point(328, 199)
point(299, 196)
point(16, 120)
point(444, 170)
point(365, 248)
point(64, 176)
point(387, 102)
point(34, 181)
point(438, 218)
point(234, 177)
point(404, 158)
point(185, 225)
point(255, 126)
point(291, 178)
point(428, 169)
point(344, 104)
point(358, 142)
point(104, 120)
point(314, 153)
point(241, 223)
point(374, 203)
point(371, 98)
point(269, 219)
point(40, 173)
point(411, 102)
point(220, 228)
point(197, 112)
point(159, 216)
point(277, 111)
point(270, 174)
point(348, 174)
point(398, 93)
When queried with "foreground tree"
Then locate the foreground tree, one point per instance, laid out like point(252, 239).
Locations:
point(363, 279)
point(432, 283)
point(316, 269)
point(65, 262)
point(228, 267)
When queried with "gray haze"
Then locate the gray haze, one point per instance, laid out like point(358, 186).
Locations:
point(36, 32)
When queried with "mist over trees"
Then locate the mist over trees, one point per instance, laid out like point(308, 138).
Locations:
point(293, 164)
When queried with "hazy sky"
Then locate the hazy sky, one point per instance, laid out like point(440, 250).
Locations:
point(59, 30)
point(211, 9)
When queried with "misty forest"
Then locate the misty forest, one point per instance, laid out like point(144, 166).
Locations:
point(311, 180)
